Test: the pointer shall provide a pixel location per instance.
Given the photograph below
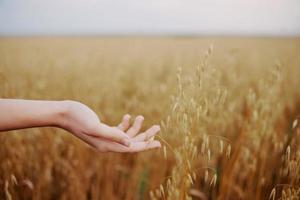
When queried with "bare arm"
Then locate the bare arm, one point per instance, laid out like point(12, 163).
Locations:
point(18, 114)
point(79, 120)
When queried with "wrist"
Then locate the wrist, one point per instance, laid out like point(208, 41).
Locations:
point(61, 113)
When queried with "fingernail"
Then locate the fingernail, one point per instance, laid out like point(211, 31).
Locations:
point(126, 142)
point(140, 117)
point(127, 116)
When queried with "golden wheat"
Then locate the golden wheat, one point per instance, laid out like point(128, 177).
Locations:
point(229, 115)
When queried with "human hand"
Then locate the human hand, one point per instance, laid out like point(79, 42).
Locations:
point(81, 121)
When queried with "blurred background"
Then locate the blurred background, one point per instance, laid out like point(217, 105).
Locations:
point(135, 17)
point(220, 77)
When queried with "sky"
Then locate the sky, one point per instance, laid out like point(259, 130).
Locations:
point(200, 17)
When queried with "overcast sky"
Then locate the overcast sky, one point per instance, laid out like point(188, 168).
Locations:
point(80, 17)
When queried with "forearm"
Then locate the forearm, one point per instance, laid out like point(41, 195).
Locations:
point(17, 114)
point(79, 120)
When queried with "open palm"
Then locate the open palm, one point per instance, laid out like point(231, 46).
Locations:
point(125, 137)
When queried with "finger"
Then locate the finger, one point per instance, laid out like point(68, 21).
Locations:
point(137, 125)
point(147, 134)
point(143, 146)
point(134, 147)
point(124, 125)
point(114, 134)
point(95, 142)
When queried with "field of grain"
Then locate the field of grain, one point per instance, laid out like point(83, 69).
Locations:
point(228, 109)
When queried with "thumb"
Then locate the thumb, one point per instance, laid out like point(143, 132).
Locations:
point(113, 134)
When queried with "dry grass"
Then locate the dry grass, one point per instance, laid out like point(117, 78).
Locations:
point(229, 115)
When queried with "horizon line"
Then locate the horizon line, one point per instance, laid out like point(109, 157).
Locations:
point(243, 35)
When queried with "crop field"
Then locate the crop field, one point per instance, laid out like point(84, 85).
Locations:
point(229, 110)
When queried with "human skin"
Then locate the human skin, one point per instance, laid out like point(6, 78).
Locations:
point(79, 120)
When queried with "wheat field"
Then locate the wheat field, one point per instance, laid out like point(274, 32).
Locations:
point(228, 110)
